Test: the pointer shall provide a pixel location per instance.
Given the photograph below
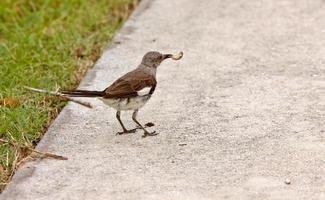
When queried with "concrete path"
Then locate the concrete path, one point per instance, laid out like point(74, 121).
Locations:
point(243, 111)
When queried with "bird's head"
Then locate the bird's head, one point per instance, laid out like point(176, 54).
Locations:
point(154, 58)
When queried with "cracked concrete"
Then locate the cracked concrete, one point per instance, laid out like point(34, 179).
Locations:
point(242, 111)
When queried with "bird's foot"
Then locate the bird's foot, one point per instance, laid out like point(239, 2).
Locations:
point(149, 134)
point(149, 124)
point(126, 131)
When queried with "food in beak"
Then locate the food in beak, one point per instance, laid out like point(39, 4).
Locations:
point(177, 56)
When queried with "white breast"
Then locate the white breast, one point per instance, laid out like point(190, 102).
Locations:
point(133, 103)
point(144, 91)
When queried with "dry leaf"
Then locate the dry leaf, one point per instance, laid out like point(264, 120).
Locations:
point(2, 170)
point(79, 52)
point(9, 102)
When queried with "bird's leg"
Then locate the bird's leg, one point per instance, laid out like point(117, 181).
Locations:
point(146, 133)
point(118, 116)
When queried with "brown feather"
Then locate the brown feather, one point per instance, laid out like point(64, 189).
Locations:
point(129, 84)
point(83, 93)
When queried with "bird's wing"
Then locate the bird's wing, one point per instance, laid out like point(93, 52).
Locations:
point(129, 84)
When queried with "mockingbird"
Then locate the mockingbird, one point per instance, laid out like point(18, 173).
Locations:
point(131, 91)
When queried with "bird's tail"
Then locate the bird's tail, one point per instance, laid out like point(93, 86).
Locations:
point(83, 93)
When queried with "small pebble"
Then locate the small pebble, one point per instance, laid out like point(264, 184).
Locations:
point(149, 124)
point(287, 181)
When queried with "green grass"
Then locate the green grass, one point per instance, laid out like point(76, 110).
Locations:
point(46, 44)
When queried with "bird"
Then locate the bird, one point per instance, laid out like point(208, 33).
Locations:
point(131, 91)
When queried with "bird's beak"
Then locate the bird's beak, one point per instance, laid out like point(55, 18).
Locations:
point(165, 56)
point(173, 56)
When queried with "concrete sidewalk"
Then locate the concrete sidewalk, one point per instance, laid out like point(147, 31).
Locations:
point(245, 112)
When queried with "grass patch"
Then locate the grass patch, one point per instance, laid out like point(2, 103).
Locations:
point(46, 44)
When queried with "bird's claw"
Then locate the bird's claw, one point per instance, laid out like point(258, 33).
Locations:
point(149, 134)
point(126, 131)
